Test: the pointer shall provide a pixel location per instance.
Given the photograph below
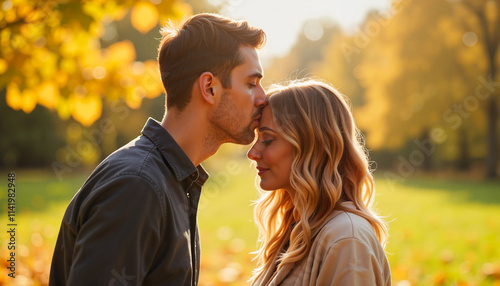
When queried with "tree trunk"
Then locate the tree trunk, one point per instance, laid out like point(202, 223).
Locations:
point(491, 41)
point(491, 157)
point(463, 162)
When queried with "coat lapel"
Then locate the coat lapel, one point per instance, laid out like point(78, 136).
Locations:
point(278, 276)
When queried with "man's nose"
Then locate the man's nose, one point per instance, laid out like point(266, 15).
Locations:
point(261, 98)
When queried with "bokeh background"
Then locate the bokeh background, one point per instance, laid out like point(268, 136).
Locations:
point(78, 79)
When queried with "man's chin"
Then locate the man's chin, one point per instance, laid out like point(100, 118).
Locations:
point(244, 142)
point(244, 139)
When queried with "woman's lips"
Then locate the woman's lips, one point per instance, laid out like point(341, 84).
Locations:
point(261, 170)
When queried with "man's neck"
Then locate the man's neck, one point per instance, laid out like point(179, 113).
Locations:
point(190, 131)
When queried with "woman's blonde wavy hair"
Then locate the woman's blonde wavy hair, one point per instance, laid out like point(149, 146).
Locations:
point(330, 166)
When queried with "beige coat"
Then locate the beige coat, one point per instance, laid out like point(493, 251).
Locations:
point(345, 251)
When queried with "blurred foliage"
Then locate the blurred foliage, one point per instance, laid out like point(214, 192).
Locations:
point(304, 54)
point(418, 74)
point(51, 54)
point(421, 77)
point(91, 64)
point(28, 141)
point(420, 71)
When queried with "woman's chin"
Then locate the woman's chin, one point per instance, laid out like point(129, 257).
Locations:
point(265, 187)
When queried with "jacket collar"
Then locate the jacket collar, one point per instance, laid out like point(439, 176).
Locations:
point(276, 277)
point(173, 153)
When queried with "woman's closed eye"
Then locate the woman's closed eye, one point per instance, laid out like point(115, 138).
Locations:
point(266, 135)
point(267, 141)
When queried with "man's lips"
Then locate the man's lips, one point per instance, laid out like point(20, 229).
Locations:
point(257, 119)
point(257, 115)
point(261, 170)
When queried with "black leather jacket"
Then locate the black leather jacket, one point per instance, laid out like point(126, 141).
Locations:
point(133, 222)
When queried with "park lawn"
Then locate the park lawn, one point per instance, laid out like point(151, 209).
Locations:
point(442, 232)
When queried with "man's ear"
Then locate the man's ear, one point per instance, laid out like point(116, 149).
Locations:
point(207, 85)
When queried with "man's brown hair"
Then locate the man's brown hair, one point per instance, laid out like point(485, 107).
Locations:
point(203, 42)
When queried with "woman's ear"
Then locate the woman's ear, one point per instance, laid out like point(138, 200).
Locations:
point(207, 85)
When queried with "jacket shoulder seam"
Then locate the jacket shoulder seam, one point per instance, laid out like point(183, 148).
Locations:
point(139, 175)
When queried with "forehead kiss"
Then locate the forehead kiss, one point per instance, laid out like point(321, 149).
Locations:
point(266, 119)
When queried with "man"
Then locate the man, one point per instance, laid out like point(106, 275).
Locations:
point(133, 222)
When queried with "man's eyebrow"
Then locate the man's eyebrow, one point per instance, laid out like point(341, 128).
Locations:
point(257, 75)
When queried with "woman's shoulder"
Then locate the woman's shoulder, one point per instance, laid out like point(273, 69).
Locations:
point(346, 225)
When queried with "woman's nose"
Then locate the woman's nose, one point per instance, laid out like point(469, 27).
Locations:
point(253, 153)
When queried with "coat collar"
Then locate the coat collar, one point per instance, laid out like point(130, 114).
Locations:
point(276, 277)
point(173, 153)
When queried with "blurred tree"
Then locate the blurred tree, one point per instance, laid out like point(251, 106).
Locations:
point(486, 23)
point(51, 54)
point(340, 68)
point(419, 74)
point(92, 62)
point(28, 141)
point(404, 67)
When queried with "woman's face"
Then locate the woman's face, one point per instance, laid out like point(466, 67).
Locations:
point(273, 155)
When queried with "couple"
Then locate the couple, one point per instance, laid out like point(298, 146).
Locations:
point(134, 221)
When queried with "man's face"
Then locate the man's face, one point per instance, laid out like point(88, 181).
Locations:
point(240, 107)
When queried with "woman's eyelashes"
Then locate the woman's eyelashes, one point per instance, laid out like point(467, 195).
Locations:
point(266, 140)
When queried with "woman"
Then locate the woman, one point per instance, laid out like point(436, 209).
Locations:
point(316, 223)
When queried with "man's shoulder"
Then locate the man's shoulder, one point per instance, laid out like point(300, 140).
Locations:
point(139, 157)
point(132, 170)
point(137, 161)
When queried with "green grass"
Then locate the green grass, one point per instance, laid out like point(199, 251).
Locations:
point(41, 200)
point(442, 231)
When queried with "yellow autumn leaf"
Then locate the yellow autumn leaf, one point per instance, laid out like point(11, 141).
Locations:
point(118, 13)
point(121, 53)
point(3, 66)
point(181, 8)
point(133, 97)
point(24, 9)
point(61, 78)
point(48, 93)
point(29, 100)
point(68, 65)
point(144, 17)
point(86, 109)
point(46, 63)
point(13, 96)
point(63, 108)
point(10, 15)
